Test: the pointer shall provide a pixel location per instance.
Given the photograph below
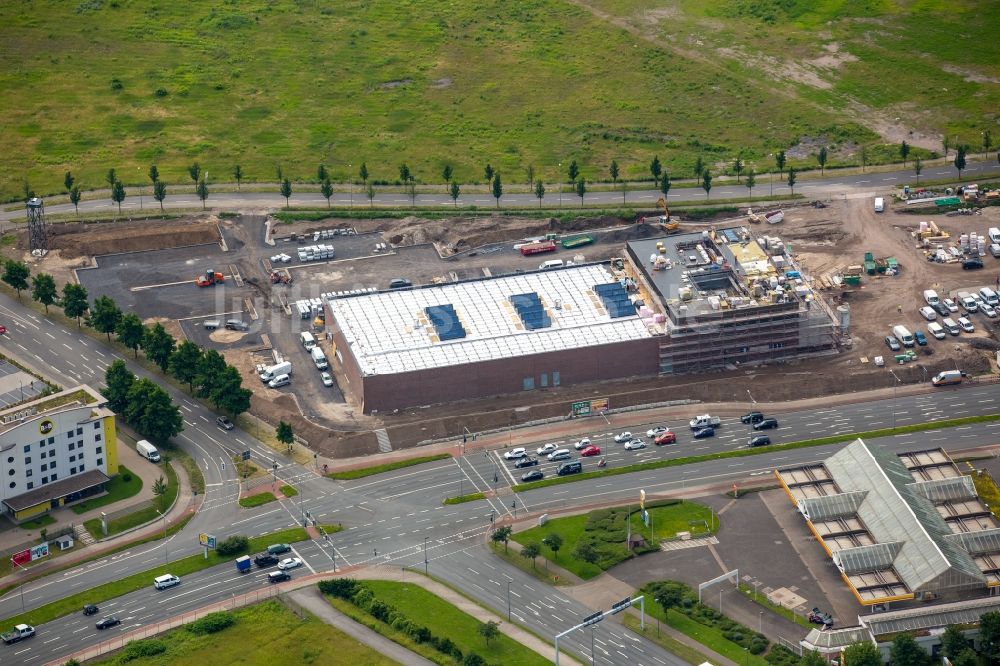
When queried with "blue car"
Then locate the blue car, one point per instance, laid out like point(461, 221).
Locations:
point(702, 433)
point(920, 338)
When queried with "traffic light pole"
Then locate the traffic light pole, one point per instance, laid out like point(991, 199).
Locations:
point(616, 608)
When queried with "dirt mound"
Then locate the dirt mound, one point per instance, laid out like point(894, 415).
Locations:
point(77, 240)
point(223, 336)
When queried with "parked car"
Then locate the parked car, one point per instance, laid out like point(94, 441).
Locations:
point(399, 283)
point(526, 462)
point(224, 423)
point(560, 454)
point(279, 548)
point(590, 451)
point(752, 417)
point(515, 454)
point(623, 437)
point(892, 343)
point(108, 622)
point(966, 325)
point(941, 309)
point(951, 305)
point(635, 444)
point(582, 444)
point(666, 438)
point(988, 310)
point(289, 563)
point(265, 560)
point(653, 433)
point(546, 448)
point(766, 424)
point(534, 475)
point(920, 338)
point(326, 378)
point(928, 313)
point(972, 263)
point(759, 440)
point(90, 609)
point(702, 433)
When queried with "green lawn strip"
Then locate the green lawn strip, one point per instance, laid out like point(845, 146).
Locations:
point(362, 472)
point(289, 491)
point(264, 634)
point(195, 477)
point(394, 635)
point(531, 568)
point(137, 581)
point(778, 609)
point(260, 499)
point(471, 497)
point(37, 523)
point(710, 637)
point(118, 489)
point(740, 453)
point(332, 529)
point(140, 516)
point(664, 640)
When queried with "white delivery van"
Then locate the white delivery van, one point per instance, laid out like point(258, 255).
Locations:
point(951, 326)
point(319, 358)
point(279, 381)
point(995, 250)
point(147, 451)
point(994, 235)
point(903, 335)
point(931, 297)
point(551, 263)
point(307, 340)
point(879, 204)
point(165, 581)
point(283, 368)
point(947, 377)
point(936, 330)
point(990, 296)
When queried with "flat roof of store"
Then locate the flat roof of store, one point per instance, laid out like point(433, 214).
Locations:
point(391, 332)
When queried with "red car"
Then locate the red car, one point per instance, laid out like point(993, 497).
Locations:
point(3, 329)
point(590, 451)
point(666, 438)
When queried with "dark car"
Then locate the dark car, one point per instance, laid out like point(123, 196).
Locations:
point(265, 560)
point(525, 462)
point(702, 433)
point(534, 475)
point(279, 548)
point(941, 309)
point(766, 424)
point(972, 264)
point(90, 609)
point(570, 468)
point(892, 343)
point(759, 440)
point(920, 338)
point(108, 622)
point(278, 576)
point(752, 417)
point(400, 283)
point(224, 423)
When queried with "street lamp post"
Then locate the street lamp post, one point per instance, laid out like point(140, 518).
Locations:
point(165, 554)
point(508, 601)
point(425, 556)
point(350, 183)
point(560, 184)
point(139, 170)
point(894, 387)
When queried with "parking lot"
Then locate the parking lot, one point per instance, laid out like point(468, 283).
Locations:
point(17, 385)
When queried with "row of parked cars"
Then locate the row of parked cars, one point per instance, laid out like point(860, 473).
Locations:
point(985, 301)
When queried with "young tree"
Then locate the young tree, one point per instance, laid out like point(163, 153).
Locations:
point(74, 198)
point(706, 182)
point(68, 180)
point(791, 179)
point(539, 192)
point(665, 185)
point(184, 362)
point(862, 654)
point(104, 316)
point(74, 301)
point(154, 174)
point(111, 177)
point(43, 290)
point(812, 658)
point(321, 174)
point(554, 543)
point(751, 181)
point(530, 551)
point(15, 273)
point(118, 194)
point(229, 394)
point(585, 551)
point(370, 193)
point(904, 151)
point(699, 166)
point(945, 144)
point(160, 192)
point(119, 380)
point(326, 189)
point(906, 652)
point(129, 332)
point(821, 158)
point(195, 172)
point(738, 167)
point(613, 170)
point(668, 594)
point(279, 174)
point(529, 172)
point(488, 172)
point(454, 191)
point(953, 641)
point(918, 166)
point(497, 187)
point(779, 160)
point(238, 175)
point(202, 191)
point(960, 160)
point(159, 490)
point(655, 168)
point(446, 173)
point(987, 141)
point(581, 189)
point(489, 630)
point(158, 345)
point(285, 435)
point(502, 534)
point(404, 173)
point(286, 190)
point(363, 173)
point(573, 171)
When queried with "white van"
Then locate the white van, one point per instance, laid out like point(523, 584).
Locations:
point(307, 340)
point(994, 235)
point(990, 296)
point(279, 381)
point(165, 581)
point(950, 326)
point(879, 204)
point(936, 330)
point(147, 451)
point(931, 297)
point(551, 263)
point(283, 368)
point(319, 358)
point(903, 335)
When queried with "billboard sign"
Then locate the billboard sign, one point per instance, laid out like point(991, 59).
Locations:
point(21, 558)
point(588, 407)
point(40, 551)
point(581, 408)
point(206, 540)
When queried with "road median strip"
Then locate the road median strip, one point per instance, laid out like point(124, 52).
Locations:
point(360, 473)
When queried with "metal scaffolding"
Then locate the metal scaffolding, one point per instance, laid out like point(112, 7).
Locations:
point(38, 236)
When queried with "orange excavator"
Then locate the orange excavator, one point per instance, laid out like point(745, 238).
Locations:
point(209, 279)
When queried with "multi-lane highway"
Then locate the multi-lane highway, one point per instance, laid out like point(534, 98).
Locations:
point(829, 185)
point(390, 519)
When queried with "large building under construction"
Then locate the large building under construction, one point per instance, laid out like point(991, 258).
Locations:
point(678, 304)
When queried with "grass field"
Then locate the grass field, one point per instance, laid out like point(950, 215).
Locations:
point(143, 515)
point(91, 84)
point(118, 489)
point(267, 634)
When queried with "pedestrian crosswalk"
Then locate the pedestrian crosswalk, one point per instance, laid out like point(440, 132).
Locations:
point(688, 543)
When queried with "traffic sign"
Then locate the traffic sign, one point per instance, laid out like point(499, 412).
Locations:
point(593, 619)
point(619, 606)
point(246, 455)
point(581, 408)
point(642, 499)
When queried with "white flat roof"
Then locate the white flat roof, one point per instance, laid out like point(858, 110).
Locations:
point(389, 332)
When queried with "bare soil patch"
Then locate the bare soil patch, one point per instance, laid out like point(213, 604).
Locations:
point(79, 240)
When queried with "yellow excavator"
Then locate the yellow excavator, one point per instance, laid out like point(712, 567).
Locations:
point(665, 221)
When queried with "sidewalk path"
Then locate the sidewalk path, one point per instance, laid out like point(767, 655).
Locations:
point(313, 601)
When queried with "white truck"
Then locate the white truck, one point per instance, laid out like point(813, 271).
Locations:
point(283, 368)
point(18, 633)
point(319, 358)
point(147, 451)
point(704, 421)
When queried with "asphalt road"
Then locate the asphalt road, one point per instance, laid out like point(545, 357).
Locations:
point(835, 184)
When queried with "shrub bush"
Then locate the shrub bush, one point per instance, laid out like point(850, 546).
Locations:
point(161, 92)
point(363, 597)
point(126, 477)
point(473, 659)
point(342, 588)
point(212, 623)
point(148, 647)
point(233, 545)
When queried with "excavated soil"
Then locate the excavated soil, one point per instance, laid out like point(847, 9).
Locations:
point(79, 240)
